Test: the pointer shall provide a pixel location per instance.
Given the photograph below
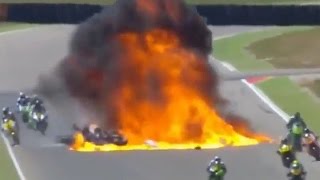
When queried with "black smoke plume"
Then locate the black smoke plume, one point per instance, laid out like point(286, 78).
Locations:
point(92, 68)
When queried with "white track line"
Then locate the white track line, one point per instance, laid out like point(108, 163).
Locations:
point(252, 87)
point(6, 141)
point(260, 94)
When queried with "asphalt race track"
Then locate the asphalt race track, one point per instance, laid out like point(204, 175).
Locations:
point(26, 54)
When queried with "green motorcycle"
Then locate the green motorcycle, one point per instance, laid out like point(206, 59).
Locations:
point(24, 110)
point(37, 121)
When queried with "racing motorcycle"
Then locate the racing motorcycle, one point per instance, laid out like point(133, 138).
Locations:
point(100, 137)
point(116, 138)
point(294, 176)
point(312, 146)
point(38, 121)
point(24, 110)
point(215, 174)
point(287, 158)
point(12, 130)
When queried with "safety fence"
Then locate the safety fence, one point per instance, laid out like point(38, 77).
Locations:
point(215, 14)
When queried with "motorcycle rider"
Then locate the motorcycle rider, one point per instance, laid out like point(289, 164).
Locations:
point(296, 118)
point(216, 167)
point(38, 107)
point(8, 119)
point(23, 100)
point(285, 150)
point(295, 135)
point(7, 114)
point(296, 169)
point(35, 99)
point(310, 140)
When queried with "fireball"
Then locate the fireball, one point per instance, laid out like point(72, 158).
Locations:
point(155, 85)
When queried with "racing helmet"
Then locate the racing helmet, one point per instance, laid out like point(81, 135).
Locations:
point(285, 147)
point(297, 115)
point(295, 165)
point(307, 130)
point(217, 160)
point(22, 95)
point(37, 102)
point(295, 162)
point(5, 110)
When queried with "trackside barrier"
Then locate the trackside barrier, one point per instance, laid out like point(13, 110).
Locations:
point(51, 13)
point(214, 14)
point(3, 12)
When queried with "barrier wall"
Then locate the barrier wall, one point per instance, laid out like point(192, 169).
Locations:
point(51, 13)
point(3, 12)
point(261, 15)
point(215, 14)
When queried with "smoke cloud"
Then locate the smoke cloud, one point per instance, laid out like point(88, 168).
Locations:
point(95, 67)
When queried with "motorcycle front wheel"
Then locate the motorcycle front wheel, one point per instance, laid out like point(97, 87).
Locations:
point(314, 151)
point(15, 138)
point(42, 127)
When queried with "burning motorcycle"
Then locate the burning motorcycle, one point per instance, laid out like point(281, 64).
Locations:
point(97, 137)
point(312, 145)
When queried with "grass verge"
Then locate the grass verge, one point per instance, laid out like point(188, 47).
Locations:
point(204, 2)
point(290, 50)
point(7, 169)
point(9, 26)
point(286, 94)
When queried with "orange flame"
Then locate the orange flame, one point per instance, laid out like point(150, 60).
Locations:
point(159, 99)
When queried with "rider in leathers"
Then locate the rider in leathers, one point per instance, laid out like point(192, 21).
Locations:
point(6, 116)
point(217, 168)
point(285, 150)
point(294, 119)
point(310, 138)
point(296, 169)
point(38, 107)
point(23, 100)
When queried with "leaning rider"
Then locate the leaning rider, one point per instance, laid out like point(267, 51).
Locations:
point(294, 119)
point(35, 98)
point(8, 119)
point(296, 169)
point(285, 149)
point(217, 167)
point(7, 114)
point(38, 107)
point(22, 101)
point(309, 137)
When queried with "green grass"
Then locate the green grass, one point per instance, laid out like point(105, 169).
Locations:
point(189, 1)
point(286, 94)
point(290, 50)
point(233, 49)
point(8, 26)
point(7, 169)
point(291, 98)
